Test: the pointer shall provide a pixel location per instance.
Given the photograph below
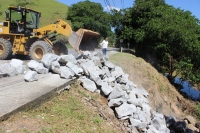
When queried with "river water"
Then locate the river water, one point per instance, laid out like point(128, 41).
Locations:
point(188, 89)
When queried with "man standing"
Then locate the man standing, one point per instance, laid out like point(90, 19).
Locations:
point(104, 46)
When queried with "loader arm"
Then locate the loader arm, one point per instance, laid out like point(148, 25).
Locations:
point(81, 40)
point(59, 26)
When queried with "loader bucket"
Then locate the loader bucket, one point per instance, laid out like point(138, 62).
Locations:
point(83, 40)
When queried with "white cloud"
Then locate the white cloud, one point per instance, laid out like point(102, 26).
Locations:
point(111, 8)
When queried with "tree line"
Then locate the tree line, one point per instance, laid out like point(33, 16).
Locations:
point(170, 36)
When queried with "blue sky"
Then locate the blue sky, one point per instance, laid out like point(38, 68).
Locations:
point(191, 5)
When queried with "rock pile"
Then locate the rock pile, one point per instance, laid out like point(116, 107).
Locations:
point(15, 67)
point(99, 75)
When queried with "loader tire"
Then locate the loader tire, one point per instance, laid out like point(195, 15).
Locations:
point(60, 48)
point(5, 49)
point(38, 49)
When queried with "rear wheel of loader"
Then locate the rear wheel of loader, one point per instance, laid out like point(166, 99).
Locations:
point(59, 48)
point(5, 49)
point(38, 49)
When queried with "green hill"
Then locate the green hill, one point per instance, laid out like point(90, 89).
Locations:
point(51, 9)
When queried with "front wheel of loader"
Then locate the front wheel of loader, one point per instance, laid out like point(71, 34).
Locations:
point(38, 49)
point(5, 49)
point(59, 48)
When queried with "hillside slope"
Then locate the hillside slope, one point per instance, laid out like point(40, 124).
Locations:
point(163, 97)
point(78, 110)
point(51, 9)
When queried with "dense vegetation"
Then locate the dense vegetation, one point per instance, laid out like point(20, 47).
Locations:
point(51, 9)
point(90, 15)
point(170, 35)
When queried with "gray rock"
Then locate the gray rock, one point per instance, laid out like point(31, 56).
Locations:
point(146, 108)
point(38, 67)
point(47, 59)
point(117, 72)
point(31, 76)
point(18, 64)
point(109, 64)
point(75, 68)
point(88, 84)
point(96, 61)
point(55, 67)
point(32, 64)
point(115, 102)
point(110, 79)
point(158, 123)
point(87, 54)
point(41, 69)
point(123, 79)
point(138, 123)
point(96, 79)
point(125, 110)
point(8, 70)
point(152, 129)
point(67, 58)
point(164, 129)
point(106, 71)
point(86, 66)
point(116, 93)
point(144, 116)
point(66, 72)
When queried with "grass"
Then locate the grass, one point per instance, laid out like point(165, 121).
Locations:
point(65, 113)
point(51, 10)
point(197, 110)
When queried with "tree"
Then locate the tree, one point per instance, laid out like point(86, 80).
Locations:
point(89, 15)
point(171, 35)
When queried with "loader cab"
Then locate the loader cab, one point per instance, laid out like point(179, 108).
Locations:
point(22, 20)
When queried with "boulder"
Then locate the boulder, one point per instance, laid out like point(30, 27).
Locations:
point(48, 58)
point(18, 64)
point(8, 70)
point(55, 67)
point(125, 110)
point(106, 71)
point(96, 79)
point(116, 93)
point(110, 79)
point(96, 61)
point(152, 129)
point(67, 58)
point(138, 123)
point(75, 68)
point(117, 72)
point(86, 66)
point(88, 84)
point(107, 89)
point(87, 54)
point(38, 67)
point(143, 116)
point(158, 123)
point(109, 64)
point(115, 102)
point(31, 76)
point(66, 72)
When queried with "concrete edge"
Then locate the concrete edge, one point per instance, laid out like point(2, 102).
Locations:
point(38, 101)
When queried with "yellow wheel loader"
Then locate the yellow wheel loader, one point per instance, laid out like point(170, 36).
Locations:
point(20, 35)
